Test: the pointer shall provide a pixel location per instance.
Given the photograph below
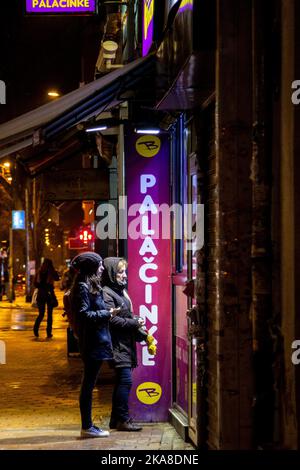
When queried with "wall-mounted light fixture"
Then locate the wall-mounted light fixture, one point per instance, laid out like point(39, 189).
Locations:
point(96, 129)
point(109, 49)
point(109, 54)
point(147, 131)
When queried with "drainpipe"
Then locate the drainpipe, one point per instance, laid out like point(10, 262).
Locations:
point(27, 225)
point(131, 30)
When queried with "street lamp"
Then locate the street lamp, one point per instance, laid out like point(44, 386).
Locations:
point(53, 94)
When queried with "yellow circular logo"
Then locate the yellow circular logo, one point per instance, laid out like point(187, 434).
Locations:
point(148, 392)
point(148, 146)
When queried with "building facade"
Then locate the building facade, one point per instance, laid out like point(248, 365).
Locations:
point(233, 149)
point(219, 288)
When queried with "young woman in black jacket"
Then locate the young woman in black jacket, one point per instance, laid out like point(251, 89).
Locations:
point(124, 332)
point(44, 282)
point(92, 317)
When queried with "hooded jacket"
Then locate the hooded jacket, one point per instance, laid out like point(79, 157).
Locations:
point(123, 327)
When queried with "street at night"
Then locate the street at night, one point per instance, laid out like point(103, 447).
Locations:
point(149, 227)
point(39, 393)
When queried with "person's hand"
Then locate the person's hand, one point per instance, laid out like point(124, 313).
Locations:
point(141, 321)
point(114, 311)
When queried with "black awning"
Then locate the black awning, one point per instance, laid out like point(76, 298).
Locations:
point(52, 118)
point(193, 85)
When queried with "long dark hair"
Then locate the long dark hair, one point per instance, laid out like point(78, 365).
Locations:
point(47, 270)
point(47, 266)
point(93, 282)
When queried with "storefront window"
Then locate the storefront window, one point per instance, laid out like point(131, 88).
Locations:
point(179, 175)
point(180, 268)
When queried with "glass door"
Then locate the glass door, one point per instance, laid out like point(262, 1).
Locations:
point(192, 271)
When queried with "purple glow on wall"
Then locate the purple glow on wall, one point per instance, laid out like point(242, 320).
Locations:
point(149, 274)
point(60, 6)
point(148, 20)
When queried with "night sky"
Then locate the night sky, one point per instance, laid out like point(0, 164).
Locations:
point(42, 53)
point(39, 53)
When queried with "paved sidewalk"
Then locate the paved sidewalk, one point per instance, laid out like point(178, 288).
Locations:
point(40, 388)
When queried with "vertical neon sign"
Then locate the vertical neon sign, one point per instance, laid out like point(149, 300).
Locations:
point(186, 5)
point(148, 20)
point(149, 270)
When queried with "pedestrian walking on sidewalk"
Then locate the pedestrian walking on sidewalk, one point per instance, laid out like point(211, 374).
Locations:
point(4, 274)
point(124, 328)
point(44, 282)
point(92, 317)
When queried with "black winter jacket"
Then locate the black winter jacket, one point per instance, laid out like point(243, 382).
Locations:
point(93, 323)
point(45, 288)
point(123, 328)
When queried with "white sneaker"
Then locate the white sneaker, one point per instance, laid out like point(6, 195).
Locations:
point(93, 431)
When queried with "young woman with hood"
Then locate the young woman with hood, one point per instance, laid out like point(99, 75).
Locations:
point(124, 333)
point(92, 317)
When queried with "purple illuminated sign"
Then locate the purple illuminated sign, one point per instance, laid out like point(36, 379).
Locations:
point(148, 20)
point(149, 270)
point(61, 6)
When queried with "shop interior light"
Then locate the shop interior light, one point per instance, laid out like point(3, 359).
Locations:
point(96, 129)
point(147, 131)
point(6, 164)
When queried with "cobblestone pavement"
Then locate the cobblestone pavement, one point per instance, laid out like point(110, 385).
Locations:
point(40, 388)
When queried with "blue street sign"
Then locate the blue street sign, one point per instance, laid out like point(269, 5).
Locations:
point(18, 220)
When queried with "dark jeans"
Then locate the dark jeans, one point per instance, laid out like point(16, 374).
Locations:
point(121, 392)
point(90, 374)
point(42, 308)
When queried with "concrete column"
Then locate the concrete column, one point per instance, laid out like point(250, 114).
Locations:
point(230, 339)
point(264, 50)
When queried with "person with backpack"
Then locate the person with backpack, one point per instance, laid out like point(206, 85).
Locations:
point(125, 330)
point(92, 328)
point(44, 283)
